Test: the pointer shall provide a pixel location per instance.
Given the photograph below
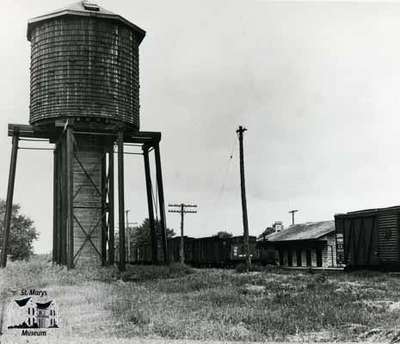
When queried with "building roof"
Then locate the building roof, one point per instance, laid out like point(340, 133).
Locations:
point(86, 9)
point(43, 305)
point(22, 302)
point(303, 231)
point(372, 211)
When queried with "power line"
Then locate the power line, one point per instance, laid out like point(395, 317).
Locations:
point(227, 172)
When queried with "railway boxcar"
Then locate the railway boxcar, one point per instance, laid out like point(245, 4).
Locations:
point(369, 238)
point(210, 251)
point(237, 252)
point(213, 251)
point(218, 251)
point(174, 245)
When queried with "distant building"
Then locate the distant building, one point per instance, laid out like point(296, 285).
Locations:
point(310, 244)
point(277, 226)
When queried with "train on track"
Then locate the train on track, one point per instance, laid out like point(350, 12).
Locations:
point(212, 251)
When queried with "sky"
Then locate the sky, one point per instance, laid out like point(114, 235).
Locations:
point(315, 83)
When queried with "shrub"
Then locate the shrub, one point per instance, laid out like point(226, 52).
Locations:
point(256, 268)
point(177, 270)
point(241, 268)
point(153, 272)
point(321, 278)
point(272, 268)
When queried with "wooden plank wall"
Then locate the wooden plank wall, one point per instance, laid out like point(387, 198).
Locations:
point(388, 237)
point(88, 198)
point(369, 239)
point(84, 66)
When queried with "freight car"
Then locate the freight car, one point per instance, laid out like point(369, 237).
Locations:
point(218, 251)
point(369, 238)
point(174, 245)
point(213, 251)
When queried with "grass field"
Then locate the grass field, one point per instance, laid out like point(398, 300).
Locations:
point(183, 303)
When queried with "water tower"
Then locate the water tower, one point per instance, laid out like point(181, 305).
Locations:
point(84, 98)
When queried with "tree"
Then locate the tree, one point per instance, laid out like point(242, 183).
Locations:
point(267, 231)
point(141, 235)
point(223, 235)
point(22, 233)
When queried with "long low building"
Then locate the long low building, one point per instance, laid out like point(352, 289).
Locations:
point(311, 244)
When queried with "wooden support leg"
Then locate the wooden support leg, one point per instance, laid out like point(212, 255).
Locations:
point(55, 208)
point(104, 191)
point(63, 199)
point(70, 193)
point(181, 247)
point(121, 201)
point(161, 202)
point(111, 244)
point(153, 233)
point(9, 200)
point(59, 198)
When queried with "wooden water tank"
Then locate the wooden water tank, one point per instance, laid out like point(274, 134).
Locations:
point(84, 67)
point(84, 63)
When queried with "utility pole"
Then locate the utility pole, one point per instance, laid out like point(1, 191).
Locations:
point(292, 212)
point(240, 132)
point(182, 210)
point(128, 235)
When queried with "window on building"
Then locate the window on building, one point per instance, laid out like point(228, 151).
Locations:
point(29, 321)
point(29, 310)
point(235, 251)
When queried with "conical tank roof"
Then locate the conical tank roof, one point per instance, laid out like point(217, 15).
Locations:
point(84, 8)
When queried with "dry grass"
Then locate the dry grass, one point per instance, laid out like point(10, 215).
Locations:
point(180, 303)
